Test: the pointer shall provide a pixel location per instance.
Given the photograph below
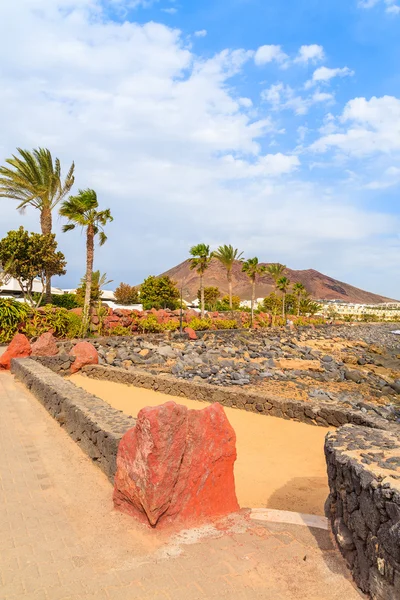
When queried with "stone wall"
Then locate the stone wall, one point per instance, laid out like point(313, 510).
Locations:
point(90, 421)
point(315, 413)
point(60, 364)
point(364, 506)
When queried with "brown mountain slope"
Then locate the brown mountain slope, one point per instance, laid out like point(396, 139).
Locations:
point(318, 285)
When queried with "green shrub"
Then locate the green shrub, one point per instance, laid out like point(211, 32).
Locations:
point(67, 301)
point(74, 325)
point(225, 324)
point(200, 324)
point(58, 320)
point(150, 325)
point(13, 314)
point(120, 330)
point(173, 325)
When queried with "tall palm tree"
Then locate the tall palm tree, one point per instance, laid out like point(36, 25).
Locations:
point(34, 179)
point(252, 268)
point(82, 210)
point(276, 270)
point(299, 291)
point(200, 261)
point(283, 284)
point(227, 256)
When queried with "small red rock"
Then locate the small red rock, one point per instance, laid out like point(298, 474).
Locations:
point(45, 345)
point(176, 465)
point(191, 333)
point(19, 347)
point(85, 354)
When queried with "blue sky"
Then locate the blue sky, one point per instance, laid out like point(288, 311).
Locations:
point(274, 126)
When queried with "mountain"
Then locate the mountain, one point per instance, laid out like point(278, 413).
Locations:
point(321, 287)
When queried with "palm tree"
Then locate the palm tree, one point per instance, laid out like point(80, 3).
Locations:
point(82, 210)
point(200, 261)
point(227, 256)
point(276, 270)
point(283, 284)
point(299, 291)
point(34, 179)
point(253, 268)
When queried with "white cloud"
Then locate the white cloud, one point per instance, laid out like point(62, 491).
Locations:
point(201, 33)
point(245, 102)
point(271, 53)
point(391, 6)
point(370, 127)
point(284, 97)
point(170, 11)
point(325, 74)
point(312, 53)
point(322, 97)
point(167, 141)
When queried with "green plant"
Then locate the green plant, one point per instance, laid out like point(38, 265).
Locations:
point(211, 295)
point(28, 256)
point(200, 324)
point(225, 324)
point(35, 180)
point(159, 292)
point(150, 325)
point(57, 320)
point(253, 268)
point(223, 304)
point(81, 211)
point(74, 324)
point(283, 284)
point(173, 325)
point(227, 255)
point(67, 301)
point(120, 330)
point(12, 315)
point(126, 294)
point(200, 261)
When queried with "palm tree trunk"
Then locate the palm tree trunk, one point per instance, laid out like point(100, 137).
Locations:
point(253, 299)
point(298, 306)
point(46, 226)
point(202, 296)
point(89, 273)
point(283, 304)
point(230, 288)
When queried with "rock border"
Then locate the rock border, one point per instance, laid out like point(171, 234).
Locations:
point(364, 506)
point(313, 413)
point(91, 422)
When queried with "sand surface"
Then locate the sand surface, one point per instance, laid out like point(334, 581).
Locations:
point(280, 463)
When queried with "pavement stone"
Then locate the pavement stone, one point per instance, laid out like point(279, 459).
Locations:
point(60, 538)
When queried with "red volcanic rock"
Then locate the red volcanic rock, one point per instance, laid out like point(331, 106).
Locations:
point(176, 465)
point(19, 347)
point(45, 345)
point(191, 333)
point(77, 311)
point(85, 354)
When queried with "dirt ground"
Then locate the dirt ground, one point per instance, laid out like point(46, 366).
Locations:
point(280, 463)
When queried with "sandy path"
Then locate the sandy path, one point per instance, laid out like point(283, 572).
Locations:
point(280, 463)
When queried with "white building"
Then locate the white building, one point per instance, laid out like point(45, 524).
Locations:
point(11, 288)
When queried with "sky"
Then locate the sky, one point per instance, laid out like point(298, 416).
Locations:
point(272, 126)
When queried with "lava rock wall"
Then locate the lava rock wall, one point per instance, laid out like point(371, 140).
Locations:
point(364, 506)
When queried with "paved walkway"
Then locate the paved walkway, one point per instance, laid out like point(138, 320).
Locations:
point(60, 538)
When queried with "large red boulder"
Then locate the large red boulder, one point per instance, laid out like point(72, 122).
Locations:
point(85, 354)
point(19, 347)
point(192, 335)
point(45, 345)
point(176, 465)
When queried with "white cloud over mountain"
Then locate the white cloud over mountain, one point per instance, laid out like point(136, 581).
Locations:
point(177, 151)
